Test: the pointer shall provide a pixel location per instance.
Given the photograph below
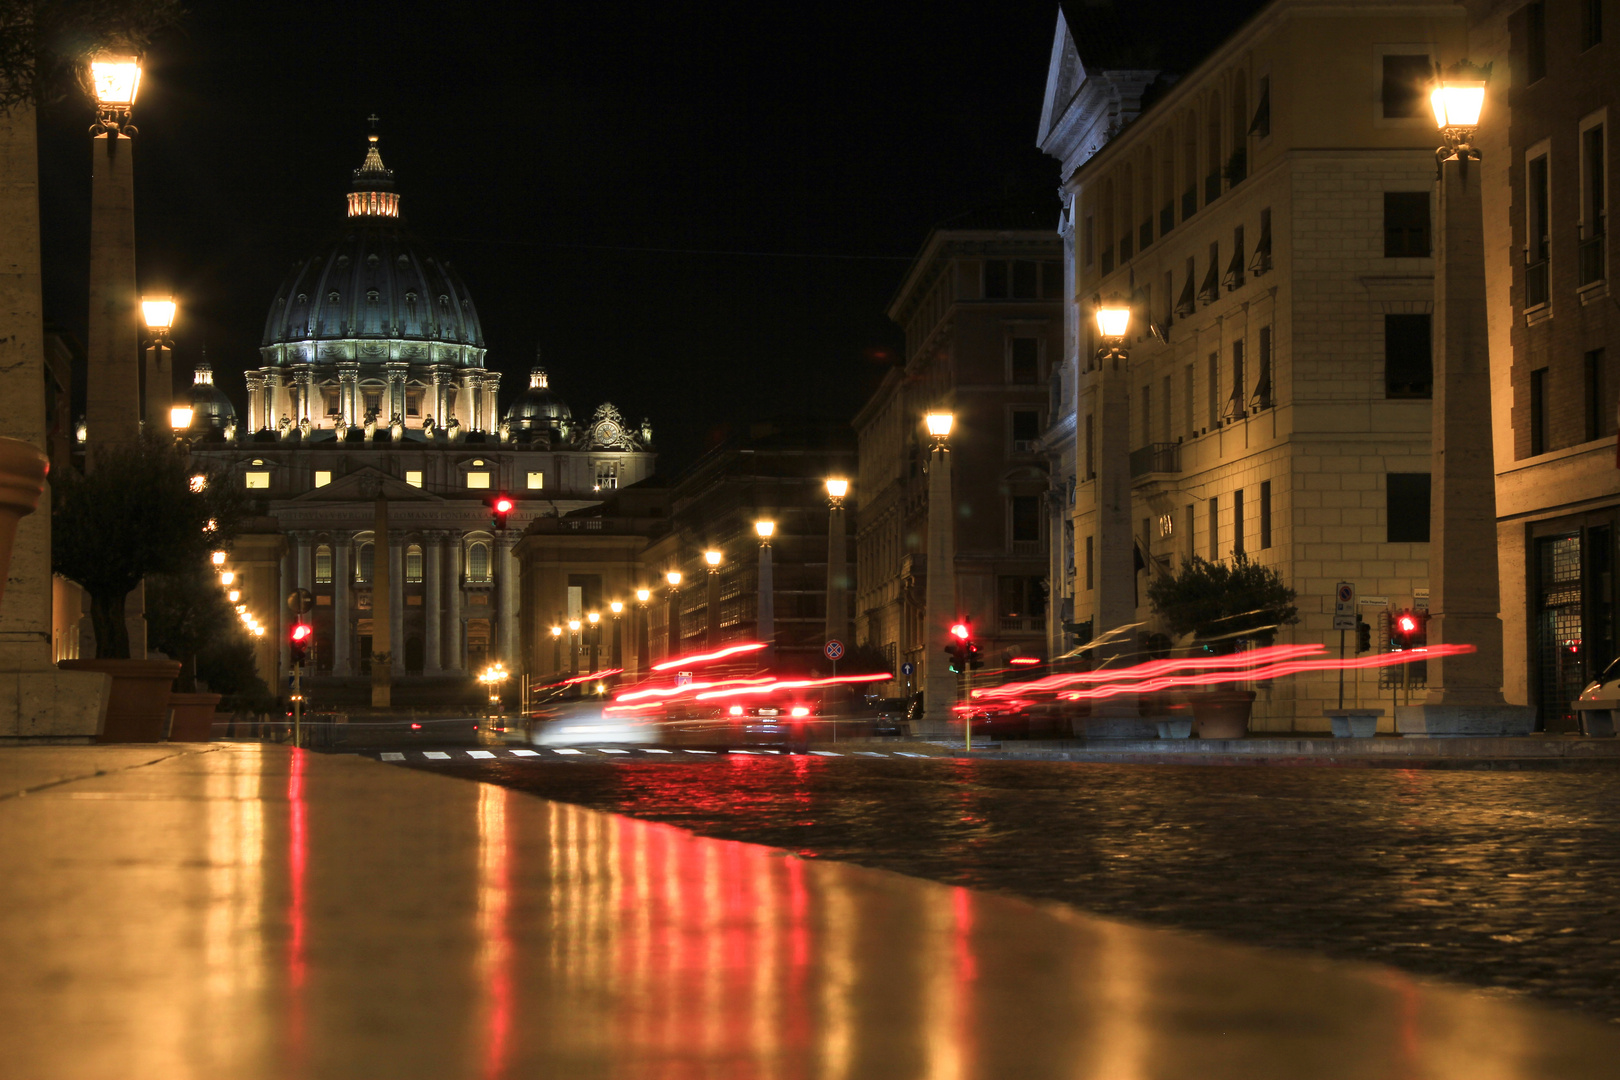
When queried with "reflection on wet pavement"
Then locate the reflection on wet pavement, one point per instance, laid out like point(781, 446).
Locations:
point(1509, 880)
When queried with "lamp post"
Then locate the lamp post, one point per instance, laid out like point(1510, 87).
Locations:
point(1464, 691)
point(158, 374)
point(595, 619)
point(112, 406)
point(573, 647)
point(556, 648)
point(617, 607)
point(766, 618)
point(837, 563)
point(643, 632)
point(672, 622)
point(712, 603)
point(939, 598)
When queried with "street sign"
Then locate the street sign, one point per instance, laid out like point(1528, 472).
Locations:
point(1344, 606)
point(683, 678)
point(908, 668)
point(1374, 601)
point(299, 601)
point(834, 649)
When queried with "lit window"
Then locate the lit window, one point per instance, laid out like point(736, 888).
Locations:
point(258, 480)
point(478, 479)
point(323, 565)
point(478, 562)
point(364, 564)
point(413, 564)
point(607, 476)
point(322, 477)
point(537, 480)
point(413, 477)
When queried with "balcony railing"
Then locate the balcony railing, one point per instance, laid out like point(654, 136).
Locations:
point(1156, 458)
point(1591, 253)
point(1535, 284)
point(1026, 547)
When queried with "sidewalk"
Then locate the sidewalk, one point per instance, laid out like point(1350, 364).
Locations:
point(1538, 751)
point(240, 910)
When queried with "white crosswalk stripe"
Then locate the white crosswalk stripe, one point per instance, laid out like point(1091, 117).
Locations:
point(480, 754)
point(826, 753)
point(750, 753)
point(655, 750)
point(700, 751)
point(435, 755)
point(393, 757)
point(870, 753)
point(567, 750)
point(907, 753)
point(525, 753)
point(610, 750)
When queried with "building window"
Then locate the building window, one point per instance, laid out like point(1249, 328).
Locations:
point(364, 563)
point(478, 561)
point(1022, 602)
point(1537, 229)
point(1600, 418)
point(413, 477)
point(1262, 377)
point(413, 564)
point(1091, 447)
point(1025, 360)
point(1406, 224)
point(1164, 408)
point(322, 478)
point(1265, 514)
point(537, 480)
point(478, 479)
point(323, 565)
point(607, 476)
point(1408, 359)
point(1147, 415)
point(1026, 519)
point(1405, 86)
point(1090, 578)
point(995, 280)
point(1026, 428)
point(1591, 23)
point(1540, 419)
point(1051, 281)
point(1594, 184)
point(1237, 522)
point(1406, 507)
point(1190, 399)
point(1236, 407)
point(257, 480)
point(1214, 391)
point(1535, 42)
point(1214, 528)
point(1024, 285)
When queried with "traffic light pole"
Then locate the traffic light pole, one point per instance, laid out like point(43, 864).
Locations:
point(298, 704)
point(1341, 670)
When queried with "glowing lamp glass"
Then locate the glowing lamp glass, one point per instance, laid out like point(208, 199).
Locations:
point(234, 595)
point(258, 631)
point(712, 558)
point(616, 606)
point(735, 710)
point(1458, 104)
point(158, 313)
point(218, 557)
point(226, 577)
point(673, 577)
point(116, 78)
point(556, 631)
point(180, 417)
point(765, 529)
point(1113, 320)
point(643, 595)
point(573, 624)
point(594, 617)
point(837, 488)
point(939, 424)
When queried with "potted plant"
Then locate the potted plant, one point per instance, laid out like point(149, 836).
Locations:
point(133, 515)
point(1221, 604)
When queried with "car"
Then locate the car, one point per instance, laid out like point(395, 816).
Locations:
point(891, 716)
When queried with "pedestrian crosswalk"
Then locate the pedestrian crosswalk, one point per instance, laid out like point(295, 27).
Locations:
point(618, 753)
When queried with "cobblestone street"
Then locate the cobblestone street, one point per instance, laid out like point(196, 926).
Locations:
point(1502, 879)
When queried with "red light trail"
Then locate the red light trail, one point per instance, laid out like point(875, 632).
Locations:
point(703, 658)
point(604, 673)
point(1153, 668)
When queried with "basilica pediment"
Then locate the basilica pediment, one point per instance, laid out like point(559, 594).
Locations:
point(368, 484)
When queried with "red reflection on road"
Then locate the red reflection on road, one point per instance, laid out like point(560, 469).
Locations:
point(297, 866)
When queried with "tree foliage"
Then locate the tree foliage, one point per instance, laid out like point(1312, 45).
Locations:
point(1220, 602)
point(46, 45)
point(132, 515)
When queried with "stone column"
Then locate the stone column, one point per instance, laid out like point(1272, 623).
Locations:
point(837, 628)
point(1465, 691)
point(492, 414)
point(766, 613)
point(159, 386)
point(507, 583)
point(939, 682)
point(305, 379)
point(711, 606)
point(349, 395)
point(113, 344)
point(257, 410)
point(432, 604)
point(303, 554)
point(275, 398)
point(441, 375)
point(394, 399)
point(1114, 551)
point(342, 583)
point(396, 597)
point(452, 620)
point(469, 405)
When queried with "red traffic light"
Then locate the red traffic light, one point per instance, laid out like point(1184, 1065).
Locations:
point(503, 505)
point(1406, 624)
point(960, 631)
point(302, 632)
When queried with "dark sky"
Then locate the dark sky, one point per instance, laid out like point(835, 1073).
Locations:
point(698, 211)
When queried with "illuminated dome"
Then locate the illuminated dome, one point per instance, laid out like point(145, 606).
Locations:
point(373, 294)
point(211, 411)
point(538, 406)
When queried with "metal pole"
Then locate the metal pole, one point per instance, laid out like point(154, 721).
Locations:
point(298, 704)
point(1341, 670)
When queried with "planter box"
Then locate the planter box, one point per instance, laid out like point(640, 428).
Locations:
point(138, 709)
point(193, 717)
point(1222, 714)
point(1353, 723)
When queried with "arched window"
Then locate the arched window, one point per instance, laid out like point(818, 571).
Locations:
point(323, 565)
point(478, 562)
point(413, 564)
point(365, 563)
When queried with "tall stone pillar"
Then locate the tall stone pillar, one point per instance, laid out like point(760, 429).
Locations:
point(492, 413)
point(394, 399)
point(1465, 691)
point(939, 682)
point(711, 606)
point(433, 602)
point(396, 597)
point(159, 377)
point(307, 403)
point(382, 599)
point(507, 582)
point(303, 556)
point(342, 583)
point(470, 404)
point(837, 628)
point(442, 375)
point(257, 409)
point(452, 615)
point(276, 398)
point(1115, 552)
point(765, 624)
point(37, 700)
point(349, 395)
point(113, 383)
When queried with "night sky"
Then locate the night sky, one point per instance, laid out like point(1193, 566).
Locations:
point(699, 212)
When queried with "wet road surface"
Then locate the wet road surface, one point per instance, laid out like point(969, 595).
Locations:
point(1502, 879)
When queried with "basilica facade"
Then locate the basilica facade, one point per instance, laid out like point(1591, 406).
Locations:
point(373, 430)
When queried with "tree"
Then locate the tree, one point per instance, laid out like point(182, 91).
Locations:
point(186, 612)
point(135, 514)
point(1221, 602)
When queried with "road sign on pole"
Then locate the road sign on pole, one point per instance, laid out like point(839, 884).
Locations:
point(1344, 606)
point(907, 668)
point(834, 649)
point(299, 601)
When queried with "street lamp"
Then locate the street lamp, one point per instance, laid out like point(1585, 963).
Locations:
point(595, 619)
point(218, 558)
point(158, 314)
point(556, 648)
point(711, 606)
point(1113, 323)
point(643, 632)
point(837, 561)
point(617, 607)
point(765, 621)
point(939, 425)
point(939, 596)
point(115, 76)
point(1457, 99)
point(765, 530)
point(573, 646)
point(713, 559)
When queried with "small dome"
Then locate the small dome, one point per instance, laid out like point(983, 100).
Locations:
point(538, 407)
point(211, 411)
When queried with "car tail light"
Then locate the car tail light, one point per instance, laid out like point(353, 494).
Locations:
point(736, 710)
point(800, 710)
point(416, 727)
